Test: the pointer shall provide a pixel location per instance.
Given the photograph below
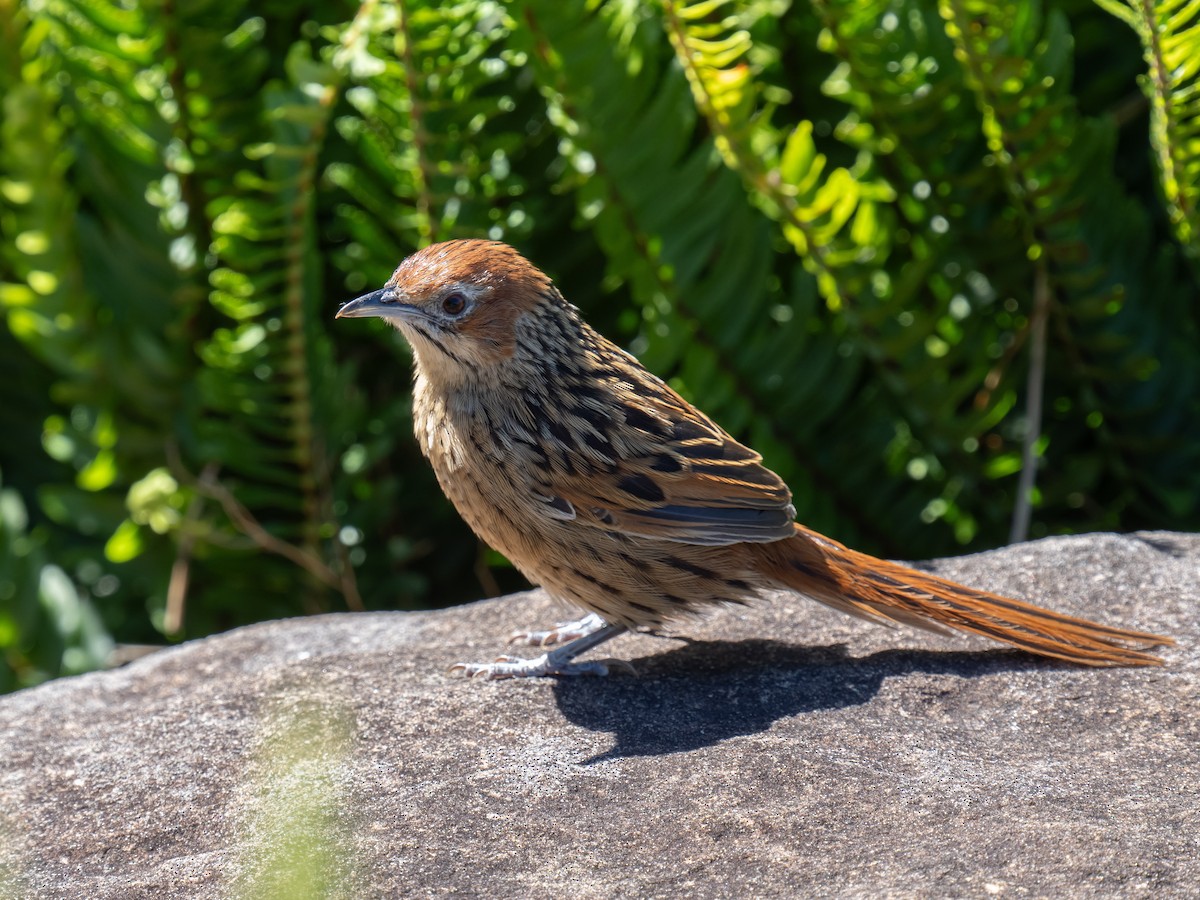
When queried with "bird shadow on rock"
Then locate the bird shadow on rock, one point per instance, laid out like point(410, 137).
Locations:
point(704, 692)
point(1167, 544)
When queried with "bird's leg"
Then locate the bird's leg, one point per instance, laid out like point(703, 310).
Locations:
point(555, 662)
point(560, 633)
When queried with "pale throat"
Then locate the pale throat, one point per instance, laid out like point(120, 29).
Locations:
point(441, 373)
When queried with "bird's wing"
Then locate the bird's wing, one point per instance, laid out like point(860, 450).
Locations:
point(639, 459)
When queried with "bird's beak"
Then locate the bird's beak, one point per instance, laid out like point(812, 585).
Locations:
point(386, 303)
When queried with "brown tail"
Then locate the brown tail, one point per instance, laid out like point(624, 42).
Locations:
point(878, 590)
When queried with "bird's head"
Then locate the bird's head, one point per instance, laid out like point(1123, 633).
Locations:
point(458, 303)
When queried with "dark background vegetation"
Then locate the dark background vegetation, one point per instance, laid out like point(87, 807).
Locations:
point(869, 238)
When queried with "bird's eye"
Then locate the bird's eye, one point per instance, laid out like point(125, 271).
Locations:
point(454, 304)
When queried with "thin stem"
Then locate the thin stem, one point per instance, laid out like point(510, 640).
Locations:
point(487, 581)
point(209, 486)
point(181, 569)
point(248, 525)
point(1023, 511)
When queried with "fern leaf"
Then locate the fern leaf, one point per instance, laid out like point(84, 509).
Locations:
point(1170, 34)
point(785, 173)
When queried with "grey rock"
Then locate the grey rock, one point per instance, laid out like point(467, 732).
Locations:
point(779, 750)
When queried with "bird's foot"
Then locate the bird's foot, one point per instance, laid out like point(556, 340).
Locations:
point(560, 633)
point(559, 661)
point(514, 667)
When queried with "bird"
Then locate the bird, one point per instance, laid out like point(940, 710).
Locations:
point(602, 484)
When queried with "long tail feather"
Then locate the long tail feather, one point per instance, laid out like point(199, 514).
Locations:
point(875, 589)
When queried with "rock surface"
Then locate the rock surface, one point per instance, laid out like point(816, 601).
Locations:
point(781, 750)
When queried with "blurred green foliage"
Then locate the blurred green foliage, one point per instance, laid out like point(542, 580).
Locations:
point(845, 228)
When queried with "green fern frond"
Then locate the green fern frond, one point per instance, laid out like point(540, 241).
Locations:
point(1085, 254)
point(430, 162)
point(38, 281)
point(1017, 69)
point(257, 387)
point(1170, 35)
point(785, 173)
point(840, 222)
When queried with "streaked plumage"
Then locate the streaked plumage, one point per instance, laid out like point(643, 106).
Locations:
point(606, 487)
